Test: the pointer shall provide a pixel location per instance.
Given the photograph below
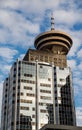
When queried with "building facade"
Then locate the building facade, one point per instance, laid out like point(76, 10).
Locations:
point(39, 88)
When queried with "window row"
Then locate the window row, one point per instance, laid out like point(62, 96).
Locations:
point(28, 75)
point(45, 91)
point(45, 85)
point(46, 104)
point(43, 111)
point(45, 97)
point(27, 87)
point(30, 94)
point(24, 108)
point(25, 101)
point(46, 58)
point(28, 81)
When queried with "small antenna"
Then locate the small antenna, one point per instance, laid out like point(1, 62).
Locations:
point(52, 22)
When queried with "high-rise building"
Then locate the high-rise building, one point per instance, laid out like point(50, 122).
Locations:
point(39, 88)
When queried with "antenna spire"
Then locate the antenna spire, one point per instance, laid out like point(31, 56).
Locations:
point(52, 22)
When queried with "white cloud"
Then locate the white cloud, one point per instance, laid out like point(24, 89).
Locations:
point(18, 25)
point(79, 116)
point(5, 68)
point(72, 63)
point(7, 54)
point(1, 77)
point(21, 56)
point(75, 47)
point(17, 28)
point(5, 35)
point(76, 36)
point(80, 67)
point(79, 54)
point(77, 73)
point(31, 6)
point(76, 89)
point(67, 16)
point(77, 81)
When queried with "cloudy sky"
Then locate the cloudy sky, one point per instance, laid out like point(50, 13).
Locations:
point(22, 20)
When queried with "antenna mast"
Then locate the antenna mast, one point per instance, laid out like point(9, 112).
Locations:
point(52, 22)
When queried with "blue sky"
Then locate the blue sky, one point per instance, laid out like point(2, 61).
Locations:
point(22, 20)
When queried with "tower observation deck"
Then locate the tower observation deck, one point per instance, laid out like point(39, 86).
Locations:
point(56, 41)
